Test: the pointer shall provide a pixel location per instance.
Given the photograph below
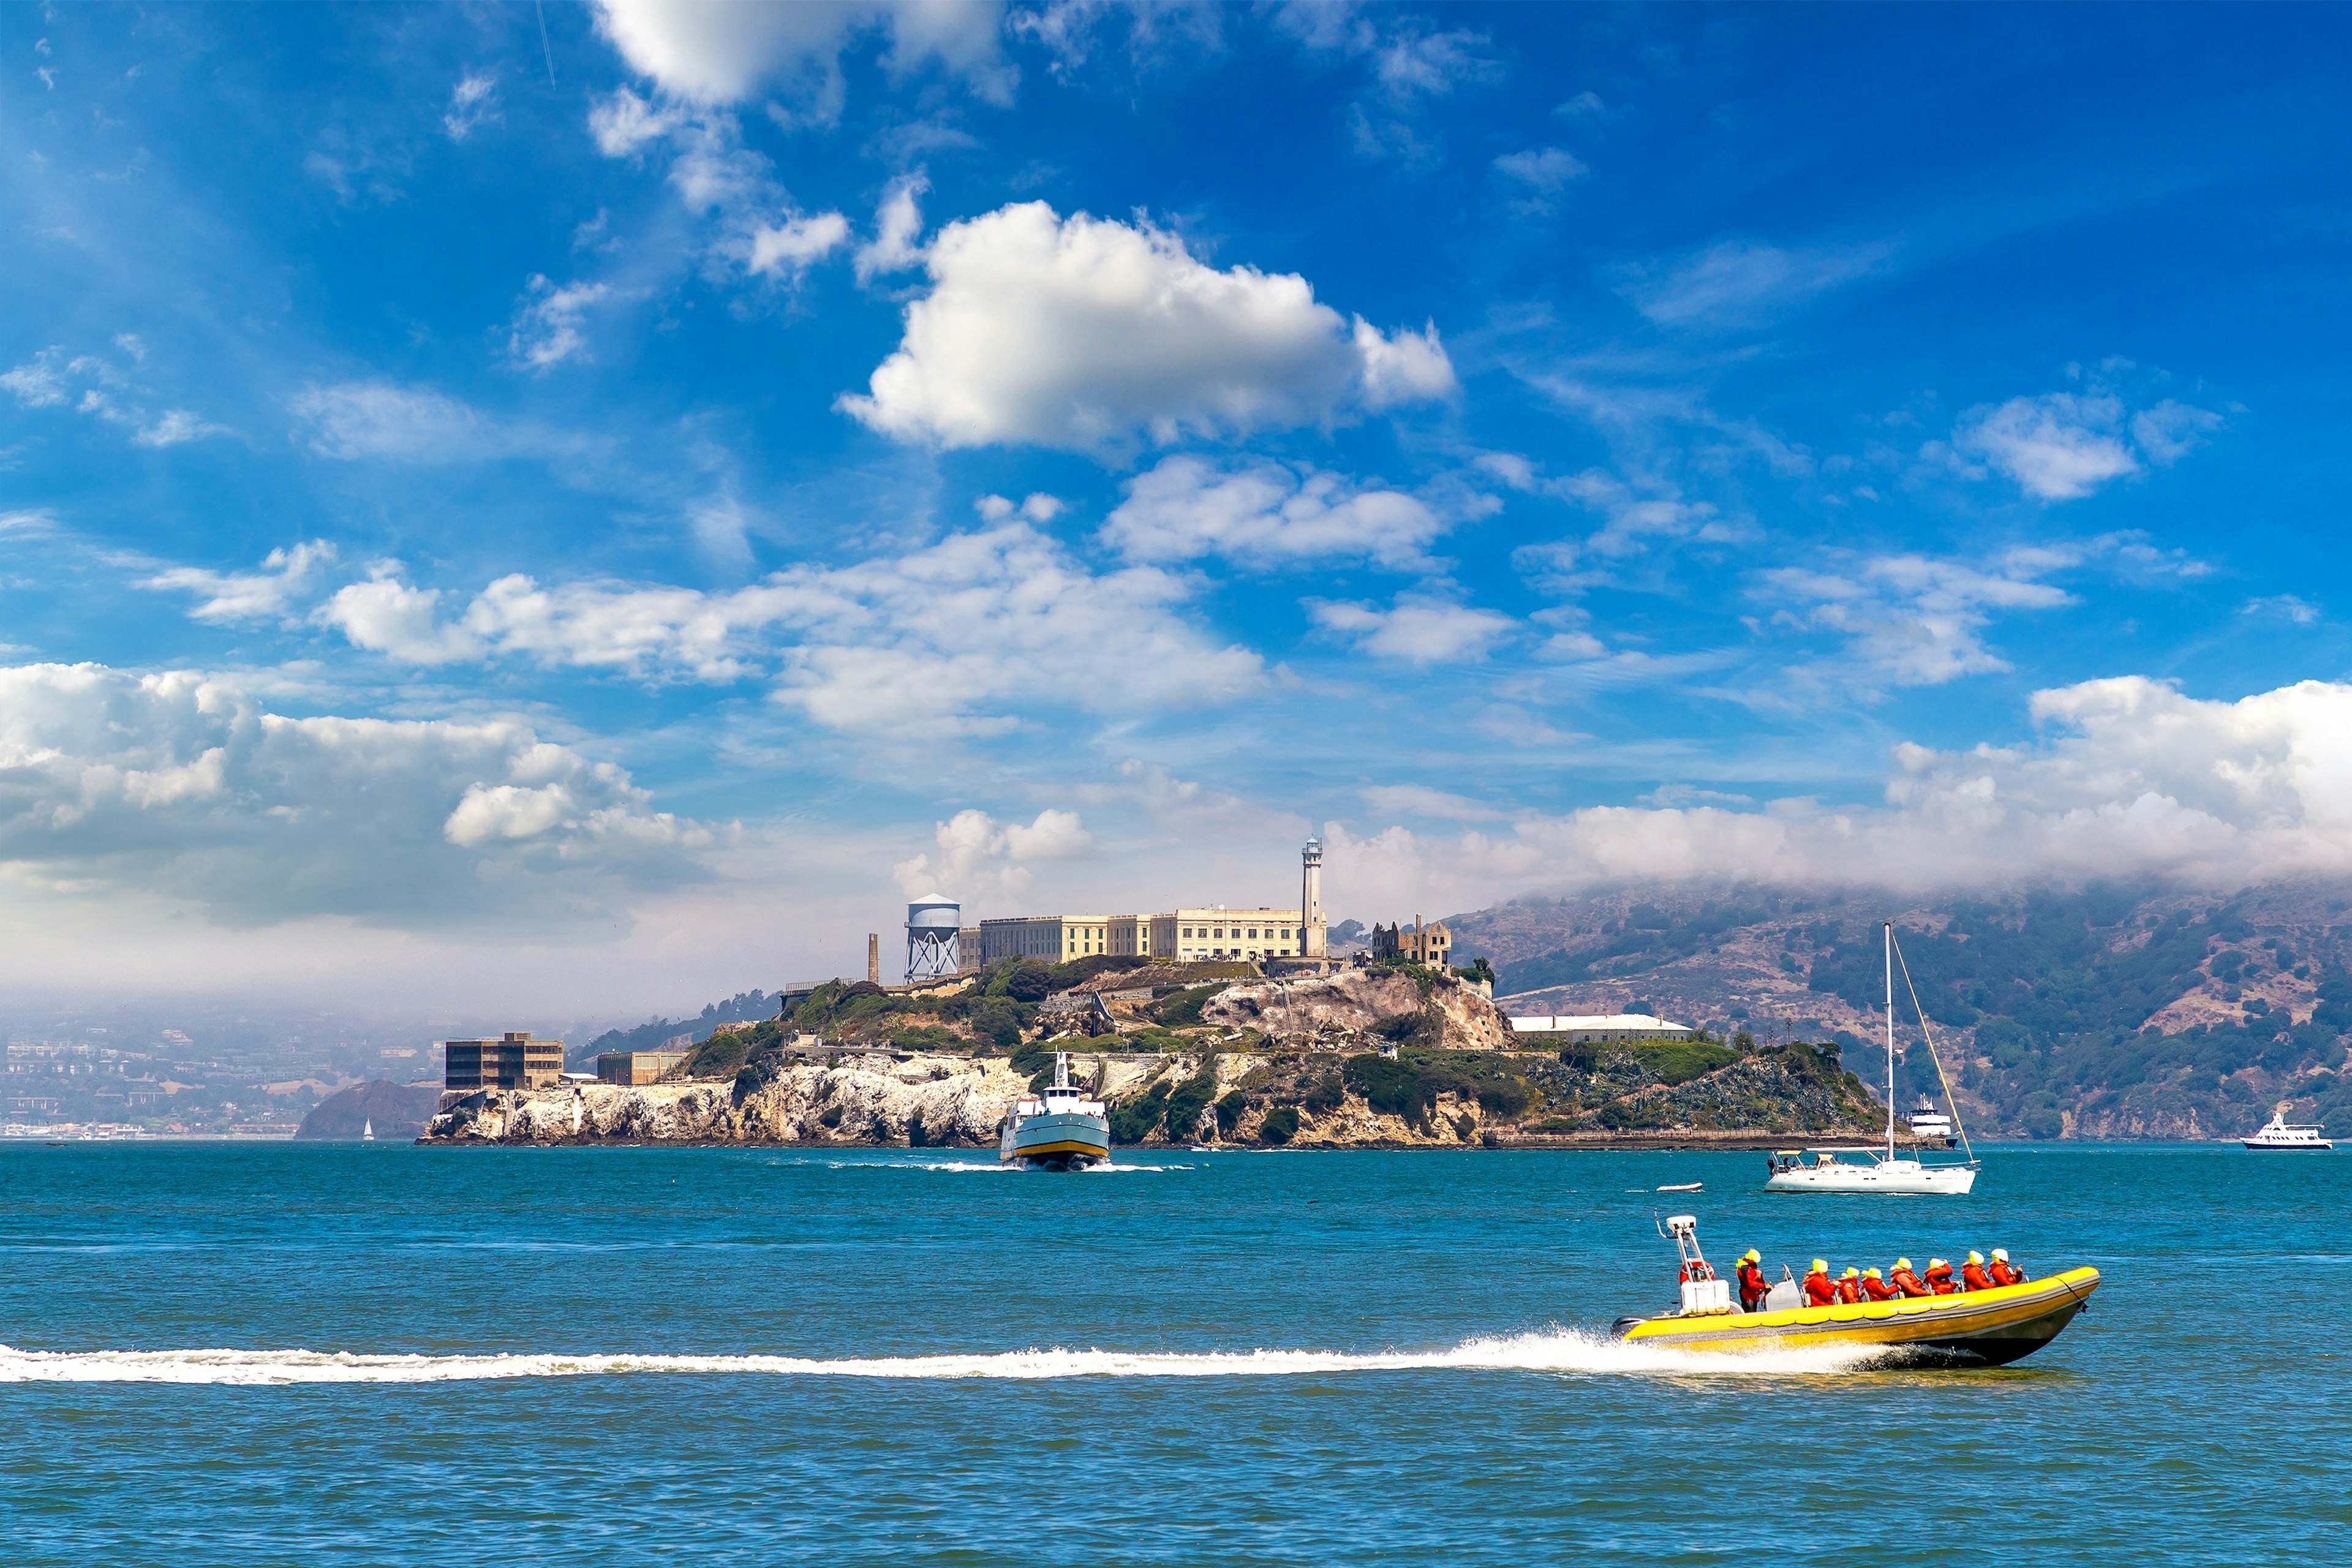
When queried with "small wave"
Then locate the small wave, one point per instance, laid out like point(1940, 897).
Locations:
point(1554, 1351)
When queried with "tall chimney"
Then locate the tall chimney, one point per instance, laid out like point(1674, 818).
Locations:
point(874, 957)
point(1310, 901)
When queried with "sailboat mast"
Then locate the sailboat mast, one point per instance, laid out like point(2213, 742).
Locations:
point(1890, 1039)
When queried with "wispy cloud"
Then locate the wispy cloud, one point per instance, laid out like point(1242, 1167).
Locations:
point(473, 103)
point(1746, 282)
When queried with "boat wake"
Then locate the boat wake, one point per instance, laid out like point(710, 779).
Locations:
point(1565, 1351)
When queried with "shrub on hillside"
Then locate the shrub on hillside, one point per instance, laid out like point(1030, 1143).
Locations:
point(1679, 1061)
point(1280, 1126)
point(1189, 1099)
point(1133, 1121)
point(1185, 1007)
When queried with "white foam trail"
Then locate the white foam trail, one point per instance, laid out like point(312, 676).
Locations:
point(1555, 1351)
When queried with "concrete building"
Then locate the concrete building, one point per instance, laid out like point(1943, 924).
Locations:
point(511, 1061)
point(1218, 932)
point(633, 1069)
point(1056, 938)
point(1592, 1028)
point(1416, 943)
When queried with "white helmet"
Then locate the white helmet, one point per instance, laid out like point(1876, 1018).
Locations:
point(2001, 1254)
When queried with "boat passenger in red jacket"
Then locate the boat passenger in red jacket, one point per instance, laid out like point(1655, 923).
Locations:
point(1939, 1277)
point(1818, 1292)
point(1849, 1284)
point(1906, 1281)
point(1972, 1274)
point(2003, 1271)
point(1875, 1288)
point(1753, 1287)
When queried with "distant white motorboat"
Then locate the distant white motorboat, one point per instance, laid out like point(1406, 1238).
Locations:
point(1880, 1169)
point(1682, 1186)
point(1927, 1122)
point(2281, 1133)
point(367, 1131)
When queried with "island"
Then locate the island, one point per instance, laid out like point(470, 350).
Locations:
point(1387, 1055)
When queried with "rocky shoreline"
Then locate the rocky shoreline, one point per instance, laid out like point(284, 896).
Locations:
point(1390, 1059)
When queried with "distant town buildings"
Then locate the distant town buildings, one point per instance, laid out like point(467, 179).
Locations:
point(1595, 1028)
point(511, 1061)
point(1416, 943)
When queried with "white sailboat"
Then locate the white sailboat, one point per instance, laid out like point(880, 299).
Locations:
point(1881, 1170)
point(367, 1131)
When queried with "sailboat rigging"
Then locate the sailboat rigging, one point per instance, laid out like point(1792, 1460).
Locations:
point(1882, 1170)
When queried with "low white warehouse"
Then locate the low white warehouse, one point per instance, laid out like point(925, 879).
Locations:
point(1585, 1030)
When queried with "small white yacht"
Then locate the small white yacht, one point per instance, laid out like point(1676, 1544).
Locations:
point(367, 1131)
point(1059, 1130)
point(1927, 1122)
point(2281, 1133)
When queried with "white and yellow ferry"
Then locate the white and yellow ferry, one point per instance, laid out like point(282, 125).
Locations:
point(1059, 1130)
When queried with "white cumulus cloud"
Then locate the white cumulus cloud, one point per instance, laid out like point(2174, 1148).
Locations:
point(386, 615)
point(722, 51)
point(182, 786)
point(959, 636)
point(790, 248)
point(1085, 332)
point(973, 857)
point(265, 595)
point(1415, 629)
point(2130, 778)
point(1267, 515)
point(898, 225)
point(2059, 447)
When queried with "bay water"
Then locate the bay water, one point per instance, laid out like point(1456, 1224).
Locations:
point(380, 1354)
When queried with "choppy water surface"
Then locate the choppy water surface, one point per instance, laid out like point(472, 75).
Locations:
point(371, 1354)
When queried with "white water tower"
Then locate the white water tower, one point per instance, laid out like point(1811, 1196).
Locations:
point(932, 925)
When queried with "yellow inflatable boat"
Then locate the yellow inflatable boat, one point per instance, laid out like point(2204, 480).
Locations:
point(1996, 1326)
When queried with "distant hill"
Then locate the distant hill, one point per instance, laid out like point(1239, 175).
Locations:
point(2109, 1012)
point(745, 1007)
point(398, 1110)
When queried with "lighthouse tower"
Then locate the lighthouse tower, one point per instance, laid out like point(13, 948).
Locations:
point(1310, 901)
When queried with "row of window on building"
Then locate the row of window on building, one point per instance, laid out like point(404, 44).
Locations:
point(1214, 931)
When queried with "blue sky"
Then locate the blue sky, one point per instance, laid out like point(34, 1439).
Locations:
point(615, 508)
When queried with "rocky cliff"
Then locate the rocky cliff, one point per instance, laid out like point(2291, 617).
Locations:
point(1262, 1093)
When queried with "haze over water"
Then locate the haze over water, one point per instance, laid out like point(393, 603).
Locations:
point(766, 1355)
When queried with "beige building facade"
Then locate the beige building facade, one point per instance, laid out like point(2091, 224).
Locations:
point(1218, 932)
point(1056, 938)
point(1211, 931)
point(632, 1068)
